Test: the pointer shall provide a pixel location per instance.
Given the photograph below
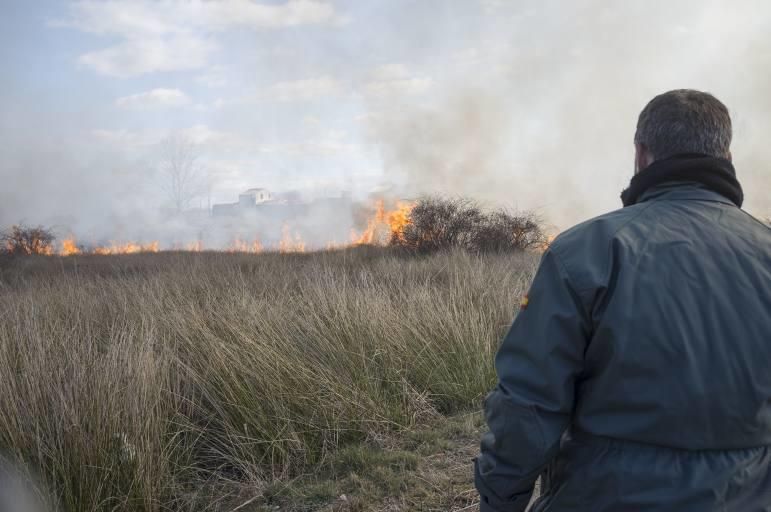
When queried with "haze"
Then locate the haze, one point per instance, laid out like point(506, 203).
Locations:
point(525, 104)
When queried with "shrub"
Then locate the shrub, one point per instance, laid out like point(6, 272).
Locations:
point(504, 231)
point(25, 240)
point(441, 224)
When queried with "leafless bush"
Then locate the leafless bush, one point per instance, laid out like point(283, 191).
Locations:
point(439, 223)
point(442, 223)
point(25, 240)
point(504, 231)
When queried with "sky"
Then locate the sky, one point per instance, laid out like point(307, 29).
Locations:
point(525, 104)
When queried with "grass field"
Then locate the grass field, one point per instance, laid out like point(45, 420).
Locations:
point(340, 380)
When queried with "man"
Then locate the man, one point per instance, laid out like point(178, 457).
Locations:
point(637, 375)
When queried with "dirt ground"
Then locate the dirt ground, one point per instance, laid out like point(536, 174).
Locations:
point(425, 469)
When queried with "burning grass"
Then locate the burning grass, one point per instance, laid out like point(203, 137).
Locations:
point(195, 380)
point(424, 226)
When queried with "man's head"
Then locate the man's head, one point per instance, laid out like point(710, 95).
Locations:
point(682, 121)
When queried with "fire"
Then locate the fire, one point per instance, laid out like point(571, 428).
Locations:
point(127, 248)
point(238, 245)
point(69, 247)
point(384, 223)
point(196, 246)
point(369, 234)
point(399, 219)
point(289, 242)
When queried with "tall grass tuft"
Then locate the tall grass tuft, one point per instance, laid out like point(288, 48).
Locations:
point(173, 381)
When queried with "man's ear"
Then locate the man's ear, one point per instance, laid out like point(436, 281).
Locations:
point(729, 157)
point(642, 157)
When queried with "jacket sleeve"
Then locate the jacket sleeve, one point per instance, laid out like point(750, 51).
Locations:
point(527, 413)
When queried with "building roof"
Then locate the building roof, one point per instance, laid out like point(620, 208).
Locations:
point(254, 191)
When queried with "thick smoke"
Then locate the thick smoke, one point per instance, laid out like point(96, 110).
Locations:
point(543, 117)
point(105, 197)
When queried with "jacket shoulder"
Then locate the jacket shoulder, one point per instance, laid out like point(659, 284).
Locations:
point(585, 249)
point(603, 227)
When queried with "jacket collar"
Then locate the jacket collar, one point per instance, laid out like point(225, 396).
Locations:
point(682, 191)
point(715, 174)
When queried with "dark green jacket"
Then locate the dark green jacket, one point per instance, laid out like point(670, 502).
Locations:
point(638, 378)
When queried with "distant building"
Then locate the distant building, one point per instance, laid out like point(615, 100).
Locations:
point(248, 201)
point(269, 216)
point(254, 196)
point(258, 207)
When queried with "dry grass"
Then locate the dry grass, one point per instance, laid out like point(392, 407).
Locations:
point(191, 381)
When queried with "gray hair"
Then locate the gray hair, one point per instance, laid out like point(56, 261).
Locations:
point(684, 121)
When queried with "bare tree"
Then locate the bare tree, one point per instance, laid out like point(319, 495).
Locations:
point(26, 240)
point(183, 176)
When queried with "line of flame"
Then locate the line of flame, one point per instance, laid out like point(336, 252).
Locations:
point(383, 226)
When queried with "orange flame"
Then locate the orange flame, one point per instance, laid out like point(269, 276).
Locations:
point(69, 247)
point(384, 225)
point(290, 243)
point(238, 245)
point(399, 219)
point(126, 248)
